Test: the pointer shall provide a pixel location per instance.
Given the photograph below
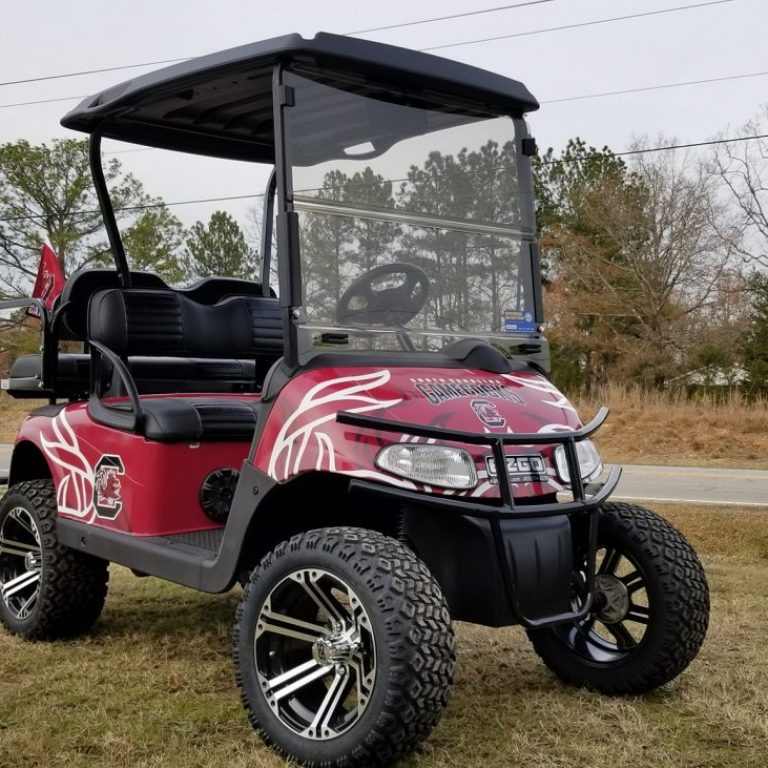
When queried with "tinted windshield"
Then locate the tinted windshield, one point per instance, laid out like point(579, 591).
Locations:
point(415, 220)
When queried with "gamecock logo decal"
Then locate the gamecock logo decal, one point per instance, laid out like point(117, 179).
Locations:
point(488, 414)
point(107, 497)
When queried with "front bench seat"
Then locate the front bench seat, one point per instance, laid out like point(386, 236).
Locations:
point(165, 324)
point(196, 419)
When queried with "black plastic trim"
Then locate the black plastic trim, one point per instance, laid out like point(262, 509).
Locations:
point(158, 557)
point(119, 418)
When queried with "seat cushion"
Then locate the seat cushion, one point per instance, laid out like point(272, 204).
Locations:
point(190, 419)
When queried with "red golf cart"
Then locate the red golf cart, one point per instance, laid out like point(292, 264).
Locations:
point(366, 437)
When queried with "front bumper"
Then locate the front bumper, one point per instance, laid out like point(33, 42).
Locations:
point(499, 562)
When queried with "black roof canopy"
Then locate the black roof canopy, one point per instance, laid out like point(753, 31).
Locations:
point(221, 104)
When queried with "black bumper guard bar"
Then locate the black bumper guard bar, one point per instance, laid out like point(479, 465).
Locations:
point(505, 506)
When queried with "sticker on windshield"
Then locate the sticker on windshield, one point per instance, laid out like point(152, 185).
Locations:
point(517, 321)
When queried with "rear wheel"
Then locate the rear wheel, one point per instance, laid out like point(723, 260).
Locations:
point(650, 614)
point(344, 649)
point(47, 591)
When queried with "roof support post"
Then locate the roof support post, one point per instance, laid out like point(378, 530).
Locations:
point(107, 212)
point(289, 262)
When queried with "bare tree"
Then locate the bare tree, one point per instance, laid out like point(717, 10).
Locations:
point(743, 167)
point(647, 255)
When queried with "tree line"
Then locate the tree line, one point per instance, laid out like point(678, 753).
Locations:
point(46, 193)
point(655, 264)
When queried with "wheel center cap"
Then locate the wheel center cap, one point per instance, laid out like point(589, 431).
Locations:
point(336, 649)
point(615, 597)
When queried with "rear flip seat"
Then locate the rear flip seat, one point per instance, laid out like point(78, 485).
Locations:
point(161, 326)
point(150, 374)
point(70, 378)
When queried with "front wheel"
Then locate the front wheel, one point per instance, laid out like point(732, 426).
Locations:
point(650, 614)
point(344, 649)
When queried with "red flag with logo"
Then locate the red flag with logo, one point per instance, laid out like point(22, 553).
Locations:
point(50, 280)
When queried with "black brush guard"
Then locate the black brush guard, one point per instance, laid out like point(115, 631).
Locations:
point(529, 554)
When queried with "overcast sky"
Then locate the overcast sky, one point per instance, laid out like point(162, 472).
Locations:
point(48, 37)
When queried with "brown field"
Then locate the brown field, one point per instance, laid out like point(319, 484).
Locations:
point(666, 428)
point(12, 413)
point(643, 428)
point(153, 686)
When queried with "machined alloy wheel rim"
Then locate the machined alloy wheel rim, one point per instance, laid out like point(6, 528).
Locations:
point(315, 654)
point(622, 612)
point(21, 563)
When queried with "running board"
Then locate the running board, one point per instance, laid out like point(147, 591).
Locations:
point(189, 559)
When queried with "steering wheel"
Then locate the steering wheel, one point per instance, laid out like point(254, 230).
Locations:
point(389, 295)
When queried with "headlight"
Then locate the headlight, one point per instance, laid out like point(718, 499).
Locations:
point(430, 464)
point(590, 463)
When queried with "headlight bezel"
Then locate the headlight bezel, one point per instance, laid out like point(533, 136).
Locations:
point(589, 459)
point(387, 460)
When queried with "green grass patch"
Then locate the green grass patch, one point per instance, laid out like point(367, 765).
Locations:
point(153, 685)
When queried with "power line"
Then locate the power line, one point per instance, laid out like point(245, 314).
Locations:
point(89, 72)
point(356, 32)
point(40, 101)
point(144, 207)
point(690, 145)
point(656, 87)
point(404, 24)
point(445, 18)
point(668, 148)
point(645, 151)
point(577, 25)
point(580, 97)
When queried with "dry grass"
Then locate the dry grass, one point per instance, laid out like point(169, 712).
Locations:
point(12, 413)
point(153, 686)
point(643, 428)
point(667, 428)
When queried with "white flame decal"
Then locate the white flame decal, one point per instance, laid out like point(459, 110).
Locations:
point(542, 385)
point(292, 441)
point(74, 494)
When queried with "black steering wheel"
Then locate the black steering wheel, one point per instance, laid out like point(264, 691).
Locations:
point(389, 295)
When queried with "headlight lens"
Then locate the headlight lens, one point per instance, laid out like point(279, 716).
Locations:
point(590, 463)
point(430, 464)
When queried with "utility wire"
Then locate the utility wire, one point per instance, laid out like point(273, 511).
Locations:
point(145, 207)
point(656, 87)
point(648, 150)
point(89, 72)
point(357, 32)
point(576, 25)
point(411, 23)
point(445, 18)
point(581, 97)
point(40, 101)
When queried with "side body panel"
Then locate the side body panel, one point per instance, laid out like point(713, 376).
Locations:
point(123, 482)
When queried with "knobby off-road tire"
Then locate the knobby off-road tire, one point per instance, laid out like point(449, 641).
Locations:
point(651, 618)
point(344, 649)
point(49, 591)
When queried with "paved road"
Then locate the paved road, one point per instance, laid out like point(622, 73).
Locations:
point(698, 485)
point(5, 459)
point(701, 485)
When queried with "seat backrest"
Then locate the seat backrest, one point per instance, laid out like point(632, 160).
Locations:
point(152, 322)
point(79, 288)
